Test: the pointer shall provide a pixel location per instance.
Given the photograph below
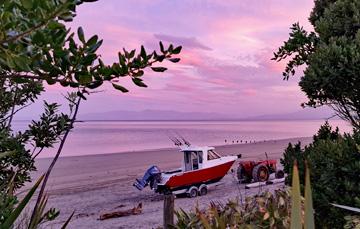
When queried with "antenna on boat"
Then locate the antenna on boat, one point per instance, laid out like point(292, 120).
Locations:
point(184, 140)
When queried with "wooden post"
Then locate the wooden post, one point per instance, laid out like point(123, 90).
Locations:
point(168, 210)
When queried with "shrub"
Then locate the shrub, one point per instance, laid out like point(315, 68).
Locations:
point(352, 222)
point(268, 210)
point(334, 161)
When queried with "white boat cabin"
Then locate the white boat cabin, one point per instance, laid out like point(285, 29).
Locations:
point(199, 157)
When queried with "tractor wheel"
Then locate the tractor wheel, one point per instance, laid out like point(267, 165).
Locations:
point(279, 174)
point(260, 173)
point(241, 175)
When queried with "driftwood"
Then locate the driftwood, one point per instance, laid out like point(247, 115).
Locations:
point(134, 211)
point(260, 184)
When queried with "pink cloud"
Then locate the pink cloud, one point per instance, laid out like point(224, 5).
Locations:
point(227, 47)
point(250, 92)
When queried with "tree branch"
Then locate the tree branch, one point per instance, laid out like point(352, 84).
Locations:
point(25, 76)
point(4, 119)
point(12, 109)
point(32, 29)
point(47, 174)
point(41, 149)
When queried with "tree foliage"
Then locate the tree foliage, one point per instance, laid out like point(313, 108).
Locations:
point(334, 161)
point(35, 44)
point(37, 48)
point(331, 55)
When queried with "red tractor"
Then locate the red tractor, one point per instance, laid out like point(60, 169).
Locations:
point(259, 171)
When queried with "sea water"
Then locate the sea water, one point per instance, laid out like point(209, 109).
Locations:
point(103, 137)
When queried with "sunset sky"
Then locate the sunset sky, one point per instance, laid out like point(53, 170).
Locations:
point(225, 66)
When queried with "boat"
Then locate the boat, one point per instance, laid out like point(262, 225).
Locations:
point(200, 167)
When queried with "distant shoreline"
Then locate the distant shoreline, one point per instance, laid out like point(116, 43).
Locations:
point(199, 120)
point(224, 146)
point(192, 120)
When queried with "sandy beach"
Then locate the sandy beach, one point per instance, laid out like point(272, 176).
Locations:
point(96, 184)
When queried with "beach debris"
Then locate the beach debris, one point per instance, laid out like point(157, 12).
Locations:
point(80, 215)
point(269, 182)
point(134, 211)
point(120, 206)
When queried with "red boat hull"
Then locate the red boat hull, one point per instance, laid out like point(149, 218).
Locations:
point(207, 175)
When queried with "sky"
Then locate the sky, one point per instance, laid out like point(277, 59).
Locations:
point(225, 63)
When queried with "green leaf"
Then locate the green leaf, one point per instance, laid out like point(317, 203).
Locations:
point(80, 33)
point(158, 69)
point(101, 63)
point(95, 84)
point(92, 40)
point(85, 79)
point(6, 153)
point(67, 16)
point(295, 200)
point(81, 95)
point(15, 214)
point(177, 50)
point(89, 59)
point(138, 82)
point(309, 210)
point(94, 47)
point(132, 53)
point(20, 80)
point(160, 58)
point(50, 81)
point(121, 59)
point(174, 60)
point(27, 4)
point(120, 88)
point(21, 63)
point(139, 73)
point(171, 48)
point(64, 83)
point(204, 221)
point(74, 85)
point(54, 25)
point(127, 54)
point(161, 47)
point(68, 220)
point(143, 52)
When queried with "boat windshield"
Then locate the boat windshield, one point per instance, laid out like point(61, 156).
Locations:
point(212, 155)
point(192, 160)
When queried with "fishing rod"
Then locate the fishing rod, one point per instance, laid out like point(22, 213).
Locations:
point(184, 140)
point(175, 140)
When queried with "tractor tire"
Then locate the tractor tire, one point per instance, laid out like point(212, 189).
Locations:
point(260, 173)
point(241, 175)
point(279, 174)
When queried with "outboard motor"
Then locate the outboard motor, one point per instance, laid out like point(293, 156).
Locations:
point(152, 176)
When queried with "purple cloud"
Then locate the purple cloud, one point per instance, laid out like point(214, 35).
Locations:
point(188, 42)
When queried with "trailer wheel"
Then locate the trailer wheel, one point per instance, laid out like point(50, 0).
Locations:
point(193, 192)
point(260, 173)
point(203, 190)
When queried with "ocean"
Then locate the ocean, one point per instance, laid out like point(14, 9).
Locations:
point(103, 137)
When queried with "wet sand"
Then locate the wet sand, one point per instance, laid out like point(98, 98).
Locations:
point(96, 184)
